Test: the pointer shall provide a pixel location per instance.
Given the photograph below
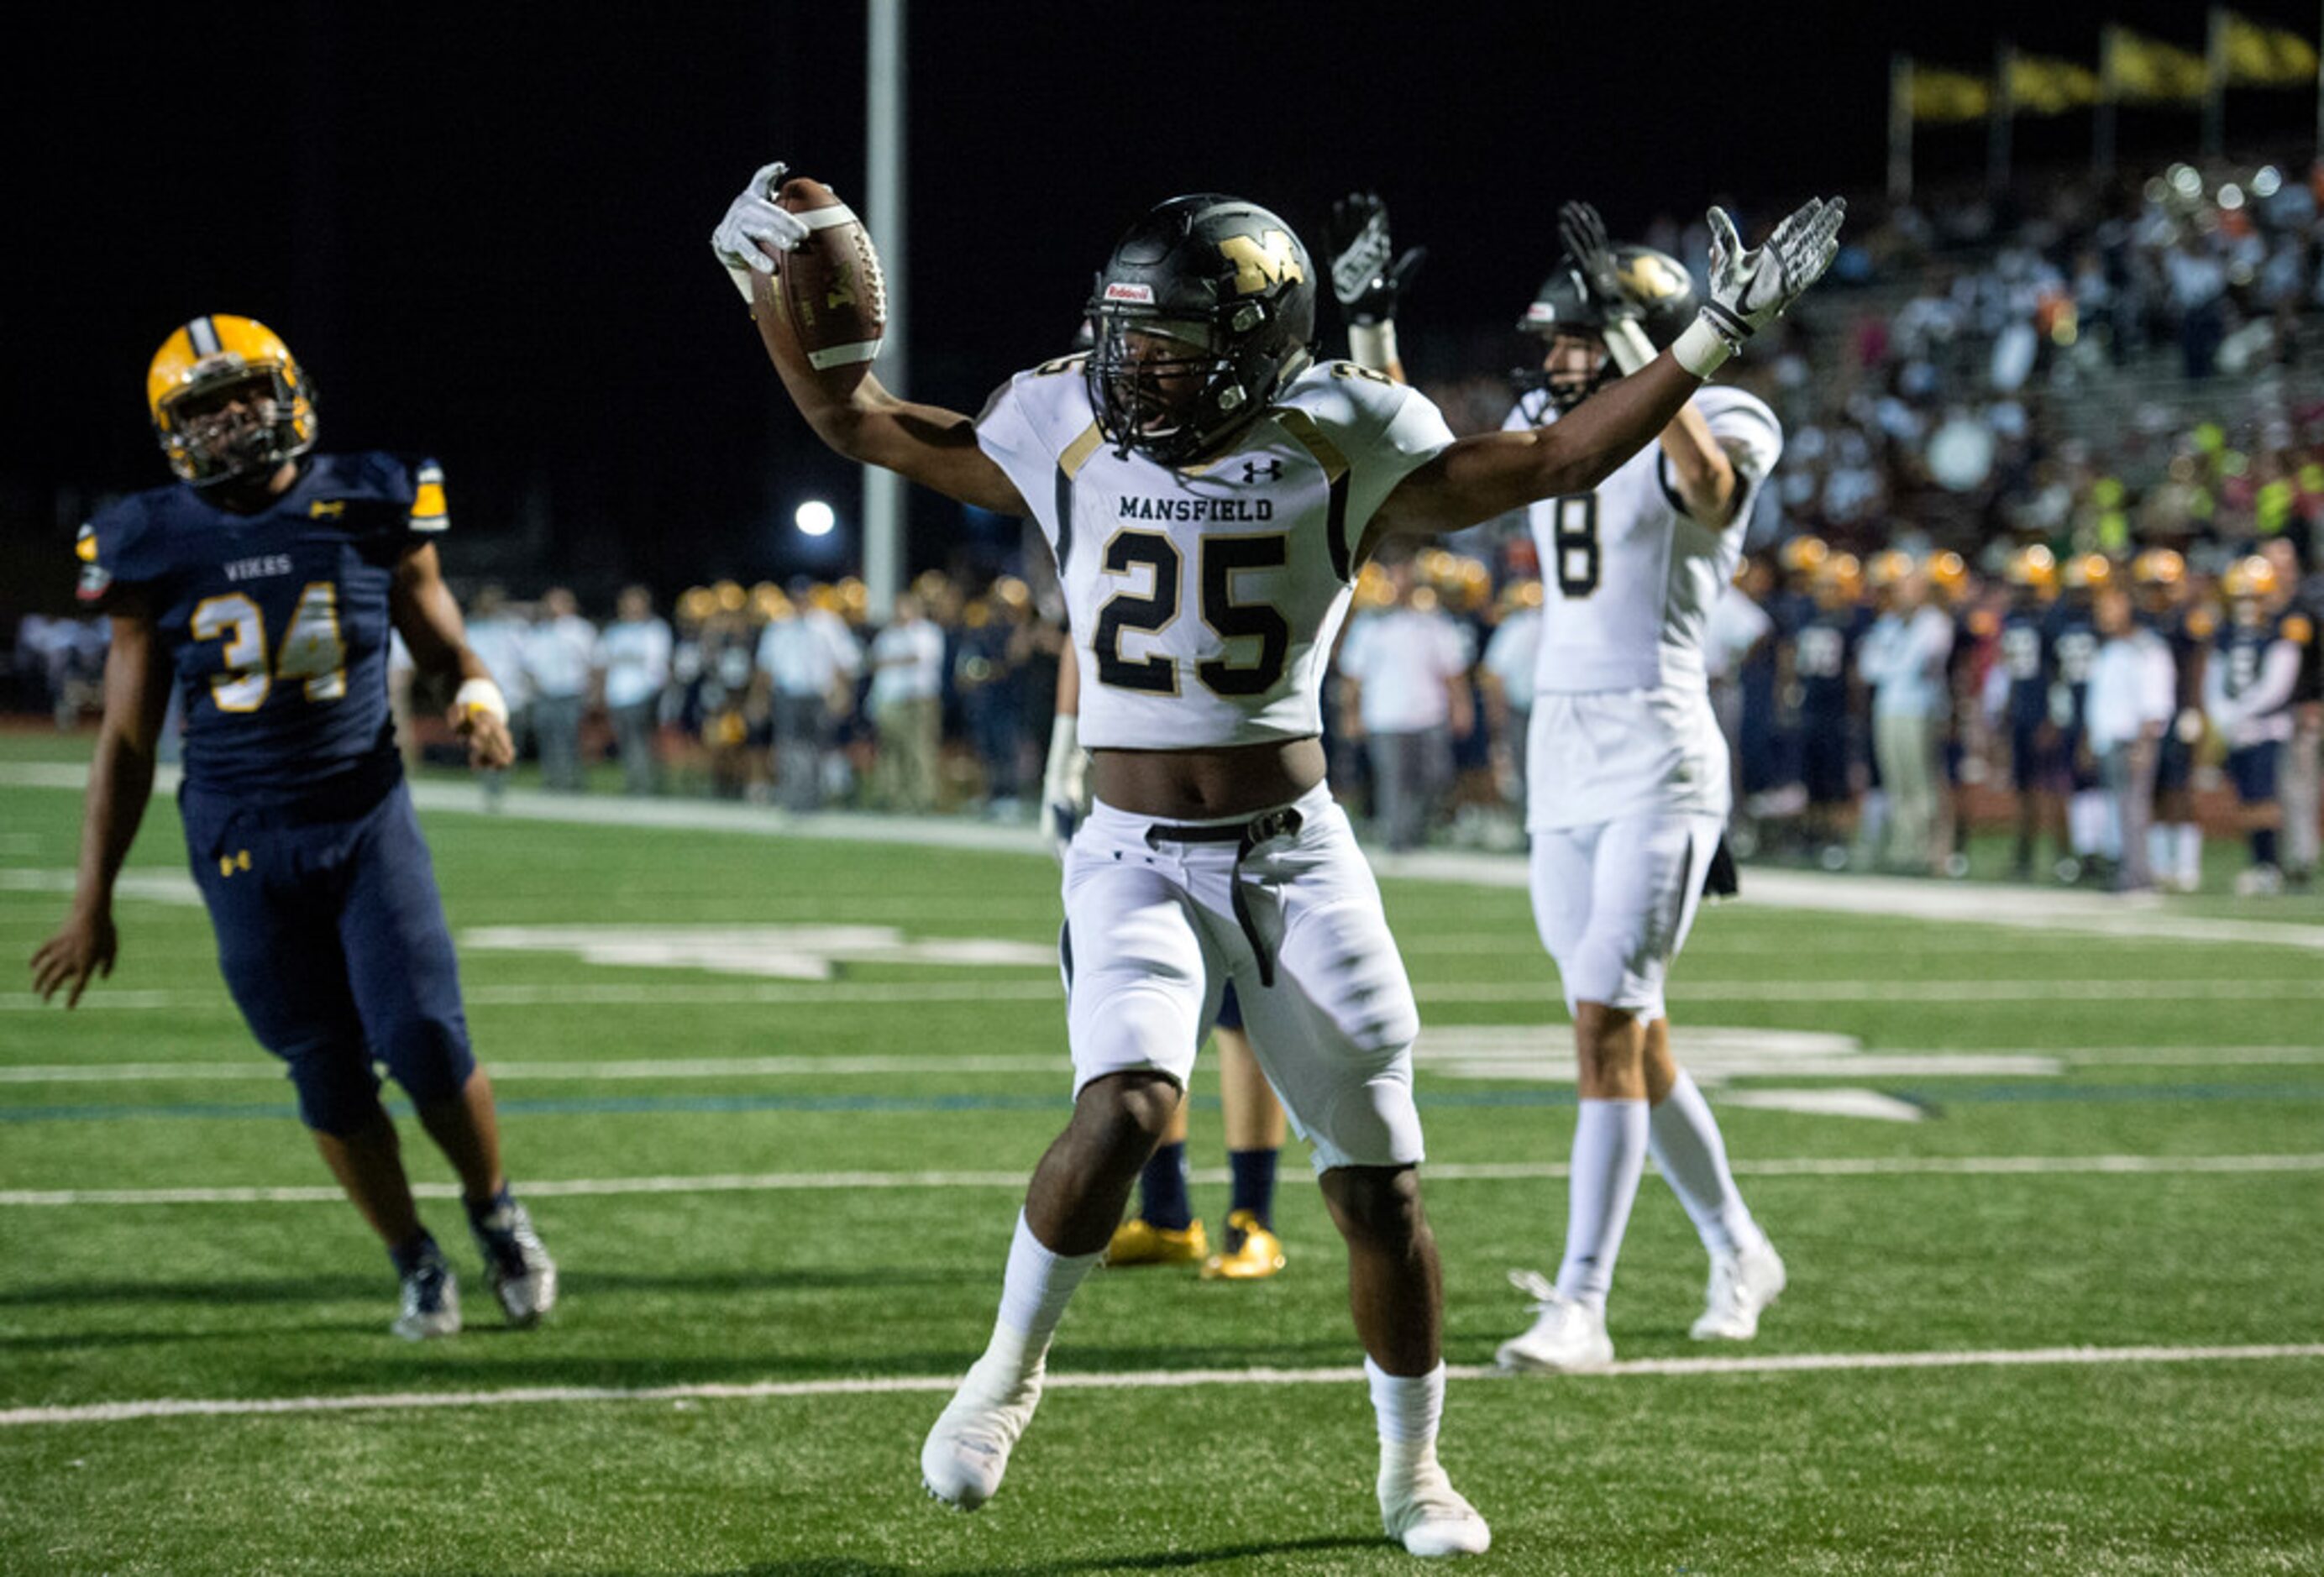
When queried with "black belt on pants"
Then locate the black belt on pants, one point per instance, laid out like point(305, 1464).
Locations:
point(1245, 835)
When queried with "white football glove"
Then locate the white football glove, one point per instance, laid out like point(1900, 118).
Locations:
point(1750, 290)
point(1064, 784)
point(754, 218)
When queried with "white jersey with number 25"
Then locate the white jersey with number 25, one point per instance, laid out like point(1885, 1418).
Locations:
point(1204, 601)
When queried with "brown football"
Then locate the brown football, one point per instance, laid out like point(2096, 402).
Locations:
point(826, 307)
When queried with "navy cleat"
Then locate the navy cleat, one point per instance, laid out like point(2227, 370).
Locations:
point(517, 1267)
point(431, 1299)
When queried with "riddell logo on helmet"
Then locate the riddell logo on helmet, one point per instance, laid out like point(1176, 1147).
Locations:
point(1143, 295)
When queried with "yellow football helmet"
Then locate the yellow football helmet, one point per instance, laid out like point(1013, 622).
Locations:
point(2252, 578)
point(1888, 568)
point(2088, 572)
point(1949, 572)
point(1801, 555)
point(1840, 580)
point(1374, 589)
point(2033, 567)
point(190, 381)
point(2158, 566)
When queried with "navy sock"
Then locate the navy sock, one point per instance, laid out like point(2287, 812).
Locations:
point(1254, 1183)
point(477, 1213)
point(2263, 845)
point(412, 1252)
point(1162, 1190)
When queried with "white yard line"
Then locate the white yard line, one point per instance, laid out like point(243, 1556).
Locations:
point(1435, 1172)
point(1886, 897)
point(1965, 992)
point(1930, 1062)
point(1148, 1380)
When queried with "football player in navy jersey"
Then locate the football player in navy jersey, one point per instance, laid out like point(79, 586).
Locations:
point(2070, 636)
point(2017, 689)
point(262, 588)
point(2175, 841)
point(2248, 689)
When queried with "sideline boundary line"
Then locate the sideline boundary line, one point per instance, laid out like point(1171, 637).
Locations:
point(1445, 1172)
point(1146, 1380)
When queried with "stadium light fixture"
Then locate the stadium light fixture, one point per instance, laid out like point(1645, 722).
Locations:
point(814, 518)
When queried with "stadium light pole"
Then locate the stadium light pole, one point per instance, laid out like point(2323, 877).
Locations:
point(883, 490)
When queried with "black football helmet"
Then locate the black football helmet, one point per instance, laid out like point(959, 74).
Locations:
point(1655, 282)
point(1221, 296)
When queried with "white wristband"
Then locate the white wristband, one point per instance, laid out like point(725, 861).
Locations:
point(1372, 345)
point(475, 695)
point(1701, 349)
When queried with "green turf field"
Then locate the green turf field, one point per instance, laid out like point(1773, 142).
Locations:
point(797, 1187)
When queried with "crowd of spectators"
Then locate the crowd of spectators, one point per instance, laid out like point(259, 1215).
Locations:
point(2120, 370)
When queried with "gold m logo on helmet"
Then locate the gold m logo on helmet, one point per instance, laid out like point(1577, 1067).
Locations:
point(1260, 260)
point(1652, 278)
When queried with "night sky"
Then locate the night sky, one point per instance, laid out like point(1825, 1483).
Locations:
point(483, 230)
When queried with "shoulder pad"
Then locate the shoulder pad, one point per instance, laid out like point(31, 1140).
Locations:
point(2296, 629)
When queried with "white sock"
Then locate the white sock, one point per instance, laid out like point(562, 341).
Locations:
point(1610, 1152)
point(1684, 1138)
point(2086, 816)
point(1407, 1408)
point(1034, 1293)
point(2160, 840)
point(2190, 854)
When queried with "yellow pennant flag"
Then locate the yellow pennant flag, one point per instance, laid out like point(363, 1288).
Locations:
point(2147, 71)
point(2039, 85)
point(1950, 96)
point(2267, 56)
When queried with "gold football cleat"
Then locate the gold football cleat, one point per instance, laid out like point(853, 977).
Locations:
point(1260, 1255)
point(1141, 1242)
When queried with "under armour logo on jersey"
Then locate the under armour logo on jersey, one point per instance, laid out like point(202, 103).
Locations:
point(1269, 470)
point(230, 863)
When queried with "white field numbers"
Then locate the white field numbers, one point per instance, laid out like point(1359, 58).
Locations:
point(312, 648)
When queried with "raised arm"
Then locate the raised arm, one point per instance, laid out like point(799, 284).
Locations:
point(927, 444)
point(1489, 475)
point(120, 782)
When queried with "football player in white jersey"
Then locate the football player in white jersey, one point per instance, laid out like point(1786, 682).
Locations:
point(1628, 783)
point(1210, 490)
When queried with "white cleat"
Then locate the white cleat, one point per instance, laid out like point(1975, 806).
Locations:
point(1424, 1512)
point(1567, 1337)
point(1741, 1285)
point(967, 1452)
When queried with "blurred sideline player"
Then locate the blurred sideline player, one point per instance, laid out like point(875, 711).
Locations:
point(2017, 688)
point(1823, 668)
point(1165, 1229)
point(264, 586)
point(1628, 781)
point(2072, 636)
point(2303, 775)
point(1213, 849)
point(2247, 691)
point(2175, 840)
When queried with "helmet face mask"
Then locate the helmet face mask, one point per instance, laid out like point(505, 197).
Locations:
point(1205, 309)
point(228, 401)
point(1564, 308)
point(230, 425)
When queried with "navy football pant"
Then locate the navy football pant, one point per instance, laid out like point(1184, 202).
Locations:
point(332, 941)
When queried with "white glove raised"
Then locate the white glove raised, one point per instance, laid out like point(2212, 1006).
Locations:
point(1064, 784)
point(754, 218)
point(1750, 290)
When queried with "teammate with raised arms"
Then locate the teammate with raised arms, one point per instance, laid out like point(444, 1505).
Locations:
point(1210, 491)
